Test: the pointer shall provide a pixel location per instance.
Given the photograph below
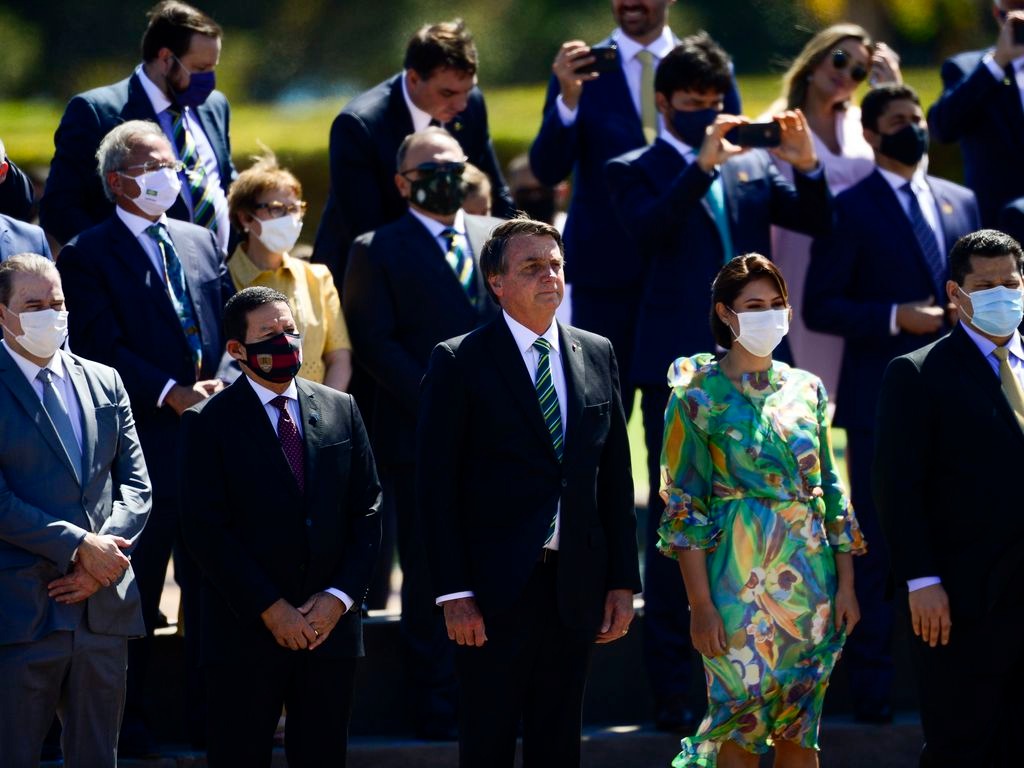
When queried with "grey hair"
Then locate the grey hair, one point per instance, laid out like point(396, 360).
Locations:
point(117, 146)
point(412, 138)
point(22, 263)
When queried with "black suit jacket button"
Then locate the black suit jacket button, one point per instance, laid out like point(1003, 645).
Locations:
point(309, 523)
point(564, 482)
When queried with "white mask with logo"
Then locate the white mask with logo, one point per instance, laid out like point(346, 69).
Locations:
point(157, 190)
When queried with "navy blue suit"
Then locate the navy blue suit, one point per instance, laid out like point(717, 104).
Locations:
point(660, 200)
point(121, 315)
point(18, 237)
point(1011, 219)
point(985, 115)
point(871, 261)
point(603, 262)
point(16, 193)
point(365, 137)
point(73, 199)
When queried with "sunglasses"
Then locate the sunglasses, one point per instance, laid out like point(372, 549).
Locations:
point(840, 60)
point(429, 168)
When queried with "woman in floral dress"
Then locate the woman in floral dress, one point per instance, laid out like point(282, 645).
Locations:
point(762, 529)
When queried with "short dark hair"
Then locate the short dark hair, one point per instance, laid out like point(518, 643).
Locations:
point(879, 99)
point(730, 282)
point(445, 45)
point(986, 243)
point(698, 64)
point(25, 264)
point(494, 255)
point(171, 25)
point(236, 311)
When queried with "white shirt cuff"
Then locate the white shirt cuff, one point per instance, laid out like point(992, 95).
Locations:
point(163, 394)
point(894, 327)
point(925, 581)
point(816, 173)
point(348, 601)
point(454, 595)
point(566, 115)
point(990, 62)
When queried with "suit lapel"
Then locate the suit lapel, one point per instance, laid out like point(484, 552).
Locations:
point(136, 261)
point(890, 207)
point(980, 378)
point(87, 405)
point(398, 112)
point(421, 245)
point(190, 265)
point(949, 216)
point(575, 369)
point(311, 415)
point(138, 106)
point(209, 121)
point(262, 438)
point(619, 94)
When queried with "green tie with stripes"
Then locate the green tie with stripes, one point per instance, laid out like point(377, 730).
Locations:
point(546, 395)
point(204, 212)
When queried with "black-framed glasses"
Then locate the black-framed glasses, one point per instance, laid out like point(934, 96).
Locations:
point(841, 59)
point(429, 168)
point(276, 209)
point(157, 165)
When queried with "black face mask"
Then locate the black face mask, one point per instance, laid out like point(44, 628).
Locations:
point(277, 359)
point(907, 145)
point(440, 192)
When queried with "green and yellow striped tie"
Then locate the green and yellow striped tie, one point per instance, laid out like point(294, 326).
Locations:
point(204, 211)
point(546, 395)
point(460, 261)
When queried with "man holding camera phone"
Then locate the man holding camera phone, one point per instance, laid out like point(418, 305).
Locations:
point(600, 104)
point(982, 107)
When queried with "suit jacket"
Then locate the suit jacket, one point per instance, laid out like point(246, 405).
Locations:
point(19, 237)
point(256, 537)
point(45, 511)
point(931, 477)
point(660, 200)
point(852, 283)
point(16, 193)
point(121, 315)
point(985, 115)
point(402, 299)
point(1011, 219)
point(488, 480)
point(599, 252)
point(74, 199)
point(365, 138)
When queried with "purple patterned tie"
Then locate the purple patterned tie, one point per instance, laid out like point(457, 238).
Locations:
point(291, 442)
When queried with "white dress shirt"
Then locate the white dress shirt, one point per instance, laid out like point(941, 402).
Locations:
point(420, 119)
point(436, 229)
point(274, 413)
point(207, 156)
point(62, 381)
point(524, 339)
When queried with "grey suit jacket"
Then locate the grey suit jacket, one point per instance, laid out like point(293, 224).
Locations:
point(45, 512)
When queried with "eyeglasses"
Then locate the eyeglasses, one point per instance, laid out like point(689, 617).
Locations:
point(840, 59)
point(157, 165)
point(430, 168)
point(276, 209)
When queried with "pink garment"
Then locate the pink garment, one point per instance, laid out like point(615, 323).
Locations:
point(820, 353)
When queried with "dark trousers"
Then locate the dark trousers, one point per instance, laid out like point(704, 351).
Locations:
point(245, 700)
point(867, 654)
point(668, 653)
point(161, 538)
point(429, 654)
point(611, 314)
point(532, 670)
point(78, 675)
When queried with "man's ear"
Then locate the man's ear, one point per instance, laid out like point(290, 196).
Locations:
point(662, 103)
point(495, 282)
point(235, 349)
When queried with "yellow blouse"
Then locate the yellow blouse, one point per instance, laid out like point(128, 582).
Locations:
point(314, 302)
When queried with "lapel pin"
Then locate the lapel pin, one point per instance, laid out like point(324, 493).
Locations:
point(743, 177)
point(947, 209)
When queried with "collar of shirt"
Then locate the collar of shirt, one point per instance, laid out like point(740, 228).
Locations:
point(420, 119)
point(157, 97)
point(917, 181)
point(435, 227)
point(245, 271)
point(525, 337)
point(266, 395)
point(629, 48)
point(30, 369)
point(136, 224)
point(681, 147)
point(987, 346)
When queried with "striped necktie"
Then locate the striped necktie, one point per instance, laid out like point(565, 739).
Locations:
point(648, 110)
point(925, 237)
point(204, 210)
point(174, 278)
point(546, 395)
point(460, 261)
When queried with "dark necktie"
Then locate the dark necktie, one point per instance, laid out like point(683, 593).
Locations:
point(925, 236)
point(549, 408)
point(57, 410)
point(460, 261)
point(291, 441)
point(204, 210)
point(178, 291)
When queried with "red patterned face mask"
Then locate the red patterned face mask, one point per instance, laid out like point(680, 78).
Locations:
point(276, 359)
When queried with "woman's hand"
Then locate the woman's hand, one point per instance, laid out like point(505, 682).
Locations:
point(847, 610)
point(885, 66)
point(707, 632)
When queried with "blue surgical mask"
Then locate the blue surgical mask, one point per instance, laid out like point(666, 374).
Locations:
point(692, 126)
point(997, 311)
point(200, 86)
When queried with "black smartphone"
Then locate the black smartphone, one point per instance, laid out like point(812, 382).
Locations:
point(756, 135)
point(1018, 32)
point(606, 59)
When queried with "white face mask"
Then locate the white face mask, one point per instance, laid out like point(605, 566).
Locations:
point(761, 332)
point(42, 332)
point(157, 190)
point(280, 235)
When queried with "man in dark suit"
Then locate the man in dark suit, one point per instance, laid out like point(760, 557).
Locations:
point(932, 476)
point(17, 236)
point(410, 285)
point(438, 87)
point(16, 193)
point(1011, 219)
point(526, 503)
point(146, 294)
point(691, 201)
point(280, 507)
point(896, 222)
point(75, 496)
point(981, 107)
point(173, 86)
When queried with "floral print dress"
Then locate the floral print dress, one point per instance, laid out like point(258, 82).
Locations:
point(749, 477)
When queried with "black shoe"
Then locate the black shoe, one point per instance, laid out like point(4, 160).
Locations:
point(881, 715)
point(673, 716)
